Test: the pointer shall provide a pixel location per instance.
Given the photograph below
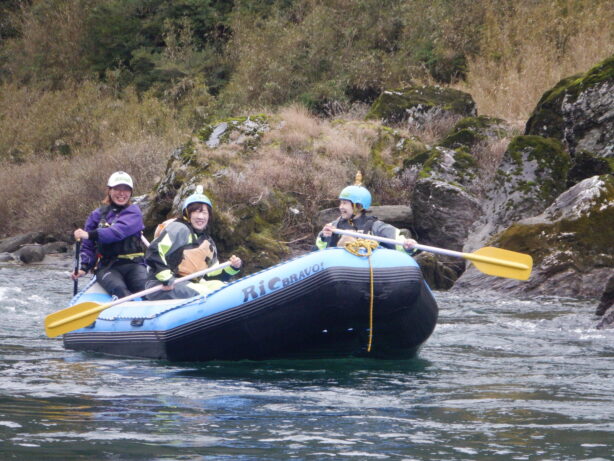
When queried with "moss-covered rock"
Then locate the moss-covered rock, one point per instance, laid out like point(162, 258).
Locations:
point(456, 166)
point(443, 213)
point(438, 275)
point(570, 242)
point(532, 174)
point(420, 104)
point(578, 111)
point(534, 166)
point(471, 130)
point(245, 131)
point(252, 232)
point(586, 165)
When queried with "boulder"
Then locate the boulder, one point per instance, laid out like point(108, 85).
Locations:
point(607, 321)
point(443, 200)
point(469, 131)
point(579, 111)
point(12, 244)
point(570, 242)
point(443, 213)
point(56, 247)
point(607, 297)
point(439, 275)
point(421, 104)
point(189, 163)
point(532, 174)
point(31, 253)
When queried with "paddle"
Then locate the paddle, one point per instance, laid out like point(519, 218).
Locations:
point(83, 314)
point(489, 260)
point(75, 286)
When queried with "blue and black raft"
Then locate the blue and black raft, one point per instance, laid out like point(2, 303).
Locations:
point(330, 303)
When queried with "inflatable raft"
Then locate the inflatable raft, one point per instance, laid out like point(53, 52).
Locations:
point(329, 303)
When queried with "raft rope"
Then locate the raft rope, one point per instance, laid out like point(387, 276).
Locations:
point(364, 248)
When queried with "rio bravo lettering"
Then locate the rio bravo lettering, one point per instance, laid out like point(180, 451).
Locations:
point(262, 287)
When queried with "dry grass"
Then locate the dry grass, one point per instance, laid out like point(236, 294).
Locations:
point(58, 148)
point(54, 195)
point(527, 51)
point(433, 131)
point(303, 157)
point(488, 155)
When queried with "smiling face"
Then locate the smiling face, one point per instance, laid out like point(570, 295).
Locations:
point(120, 195)
point(199, 217)
point(346, 209)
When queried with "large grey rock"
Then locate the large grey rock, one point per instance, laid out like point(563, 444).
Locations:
point(443, 213)
point(56, 247)
point(439, 275)
point(31, 253)
point(579, 111)
point(11, 244)
point(532, 174)
point(570, 242)
point(420, 105)
point(607, 297)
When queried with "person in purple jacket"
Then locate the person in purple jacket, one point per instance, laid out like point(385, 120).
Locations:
point(111, 241)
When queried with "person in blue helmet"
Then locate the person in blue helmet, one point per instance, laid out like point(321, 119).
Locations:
point(354, 201)
point(184, 247)
point(111, 241)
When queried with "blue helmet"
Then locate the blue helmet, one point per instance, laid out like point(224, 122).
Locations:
point(196, 197)
point(358, 195)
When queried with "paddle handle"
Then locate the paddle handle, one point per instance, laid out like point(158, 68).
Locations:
point(103, 307)
point(430, 249)
point(159, 287)
point(75, 285)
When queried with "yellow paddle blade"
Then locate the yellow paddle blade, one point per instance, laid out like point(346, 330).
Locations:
point(501, 263)
point(73, 318)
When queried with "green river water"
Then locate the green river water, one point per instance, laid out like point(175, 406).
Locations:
point(500, 379)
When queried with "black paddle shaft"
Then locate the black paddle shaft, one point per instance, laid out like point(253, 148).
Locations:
point(75, 288)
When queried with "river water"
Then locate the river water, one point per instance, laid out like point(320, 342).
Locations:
point(500, 379)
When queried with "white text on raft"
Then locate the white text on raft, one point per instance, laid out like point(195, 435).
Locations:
point(263, 287)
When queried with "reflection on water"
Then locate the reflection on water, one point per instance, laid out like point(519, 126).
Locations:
point(501, 378)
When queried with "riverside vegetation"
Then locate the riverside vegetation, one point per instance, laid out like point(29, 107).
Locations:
point(274, 105)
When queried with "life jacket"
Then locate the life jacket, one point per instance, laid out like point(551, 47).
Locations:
point(363, 224)
point(129, 248)
point(174, 259)
point(160, 227)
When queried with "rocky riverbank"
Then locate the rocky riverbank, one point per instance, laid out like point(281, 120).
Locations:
point(548, 192)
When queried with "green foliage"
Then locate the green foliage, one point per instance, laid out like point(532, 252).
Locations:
point(158, 42)
point(320, 53)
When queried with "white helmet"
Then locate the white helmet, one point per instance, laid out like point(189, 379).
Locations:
point(118, 178)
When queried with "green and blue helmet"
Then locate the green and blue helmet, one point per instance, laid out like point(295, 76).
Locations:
point(357, 193)
point(196, 197)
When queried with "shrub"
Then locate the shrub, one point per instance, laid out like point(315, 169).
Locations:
point(56, 195)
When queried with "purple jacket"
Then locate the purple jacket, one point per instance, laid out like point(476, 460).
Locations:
point(121, 235)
